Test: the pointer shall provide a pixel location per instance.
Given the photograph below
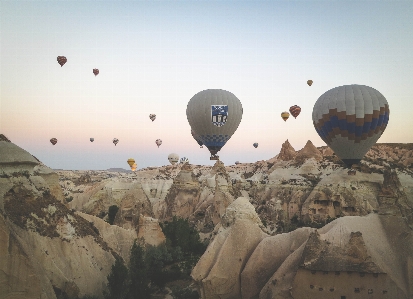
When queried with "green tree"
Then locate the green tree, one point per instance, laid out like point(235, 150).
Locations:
point(180, 233)
point(138, 279)
point(112, 213)
point(117, 281)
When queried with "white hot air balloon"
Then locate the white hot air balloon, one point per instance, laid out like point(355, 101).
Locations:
point(350, 119)
point(184, 160)
point(214, 114)
point(173, 158)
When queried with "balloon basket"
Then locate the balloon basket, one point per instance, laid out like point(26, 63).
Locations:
point(214, 158)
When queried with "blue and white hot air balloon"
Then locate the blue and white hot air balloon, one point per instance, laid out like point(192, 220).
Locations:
point(214, 115)
point(350, 119)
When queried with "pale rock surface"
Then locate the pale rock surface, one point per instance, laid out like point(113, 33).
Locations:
point(218, 271)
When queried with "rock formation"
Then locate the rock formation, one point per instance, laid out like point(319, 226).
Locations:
point(308, 151)
point(47, 249)
point(287, 152)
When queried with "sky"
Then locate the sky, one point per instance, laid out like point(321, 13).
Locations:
point(154, 56)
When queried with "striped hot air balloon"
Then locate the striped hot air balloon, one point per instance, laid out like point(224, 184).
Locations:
point(53, 141)
point(61, 60)
point(285, 115)
point(295, 110)
point(350, 119)
point(184, 160)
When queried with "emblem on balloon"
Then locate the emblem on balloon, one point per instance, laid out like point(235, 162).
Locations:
point(219, 114)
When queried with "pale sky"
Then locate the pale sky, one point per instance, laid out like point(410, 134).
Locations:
point(153, 56)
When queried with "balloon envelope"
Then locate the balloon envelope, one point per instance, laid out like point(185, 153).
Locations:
point(173, 158)
point(285, 115)
point(255, 145)
point(53, 141)
point(184, 160)
point(158, 142)
point(214, 115)
point(152, 117)
point(350, 119)
point(295, 110)
point(134, 166)
point(96, 72)
point(115, 141)
point(131, 161)
point(92, 139)
point(310, 82)
point(196, 137)
point(61, 60)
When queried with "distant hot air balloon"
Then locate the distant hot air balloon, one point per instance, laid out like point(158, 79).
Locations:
point(214, 115)
point(350, 119)
point(53, 141)
point(96, 72)
point(131, 161)
point(152, 117)
point(236, 162)
point(285, 115)
point(134, 166)
point(92, 139)
point(184, 160)
point(115, 141)
point(197, 139)
point(255, 145)
point(295, 110)
point(173, 158)
point(61, 60)
point(158, 142)
point(310, 82)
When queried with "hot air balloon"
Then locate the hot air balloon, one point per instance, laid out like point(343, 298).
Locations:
point(197, 139)
point(53, 141)
point(158, 142)
point(350, 119)
point(96, 72)
point(184, 160)
point(214, 115)
point(236, 162)
point(285, 115)
point(134, 166)
point(61, 60)
point(92, 139)
point(310, 82)
point(115, 141)
point(152, 117)
point(295, 110)
point(255, 145)
point(173, 158)
point(131, 161)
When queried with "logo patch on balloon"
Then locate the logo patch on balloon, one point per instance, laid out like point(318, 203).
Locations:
point(219, 114)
